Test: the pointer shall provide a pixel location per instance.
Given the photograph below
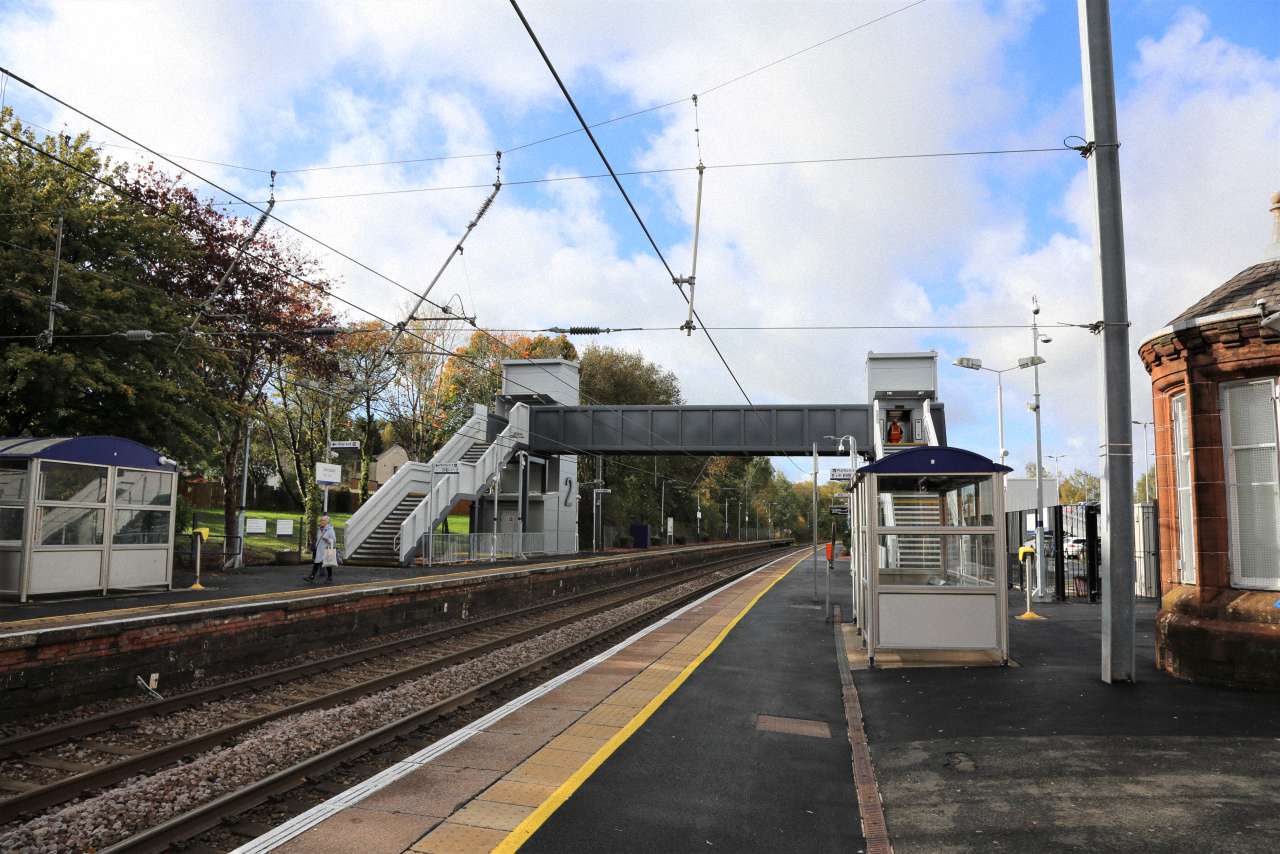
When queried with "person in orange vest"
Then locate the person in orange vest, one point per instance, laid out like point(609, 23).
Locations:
point(895, 432)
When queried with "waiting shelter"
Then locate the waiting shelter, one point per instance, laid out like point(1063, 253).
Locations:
point(90, 513)
point(928, 563)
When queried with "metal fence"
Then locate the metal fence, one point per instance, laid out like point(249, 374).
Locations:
point(457, 548)
point(1073, 551)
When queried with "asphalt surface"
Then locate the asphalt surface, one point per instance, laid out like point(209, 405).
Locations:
point(1045, 757)
point(699, 775)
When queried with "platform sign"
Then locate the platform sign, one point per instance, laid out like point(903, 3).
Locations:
point(840, 511)
point(284, 527)
point(842, 474)
point(328, 474)
point(445, 468)
point(255, 526)
point(345, 443)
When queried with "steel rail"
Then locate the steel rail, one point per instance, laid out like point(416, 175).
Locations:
point(77, 785)
point(210, 814)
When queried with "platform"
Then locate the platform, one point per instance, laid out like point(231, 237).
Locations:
point(257, 584)
point(61, 659)
point(721, 727)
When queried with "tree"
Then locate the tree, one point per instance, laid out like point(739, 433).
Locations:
point(1079, 486)
point(264, 314)
point(363, 362)
point(116, 271)
point(473, 375)
point(147, 255)
point(1145, 490)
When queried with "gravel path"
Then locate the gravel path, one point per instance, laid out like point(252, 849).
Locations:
point(148, 800)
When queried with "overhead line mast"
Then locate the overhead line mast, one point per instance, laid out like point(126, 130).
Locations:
point(453, 253)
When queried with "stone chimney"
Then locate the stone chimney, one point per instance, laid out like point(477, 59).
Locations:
point(1273, 252)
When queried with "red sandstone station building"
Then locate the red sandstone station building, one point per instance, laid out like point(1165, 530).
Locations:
point(1215, 375)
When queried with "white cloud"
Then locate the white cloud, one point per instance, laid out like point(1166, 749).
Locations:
point(878, 243)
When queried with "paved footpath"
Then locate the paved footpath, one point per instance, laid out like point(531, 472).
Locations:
point(1046, 758)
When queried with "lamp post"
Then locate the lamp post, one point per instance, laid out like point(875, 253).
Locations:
point(1146, 452)
point(1057, 472)
point(853, 452)
point(976, 365)
point(1033, 361)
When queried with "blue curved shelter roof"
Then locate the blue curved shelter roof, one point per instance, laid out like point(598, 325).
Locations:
point(934, 459)
point(96, 450)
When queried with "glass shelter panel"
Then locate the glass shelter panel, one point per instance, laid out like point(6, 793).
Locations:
point(13, 498)
point(136, 486)
point(938, 560)
point(70, 526)
point(949, 501)
point(73, 483)
point(141, 528)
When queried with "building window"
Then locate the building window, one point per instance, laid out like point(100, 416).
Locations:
point(1182, 471)
point(1253, 485)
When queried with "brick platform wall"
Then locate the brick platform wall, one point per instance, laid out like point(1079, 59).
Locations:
point(63, 667)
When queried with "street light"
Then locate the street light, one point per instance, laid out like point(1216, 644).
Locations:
point(1034, 361)
point(1057, 472)
point(976, 365)
point(853, 451)
point(1146, 452)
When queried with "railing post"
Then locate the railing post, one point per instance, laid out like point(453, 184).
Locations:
point(1092, 547)
point(1059, 556)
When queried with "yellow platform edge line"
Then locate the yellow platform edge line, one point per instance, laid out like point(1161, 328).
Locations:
point(526, 828)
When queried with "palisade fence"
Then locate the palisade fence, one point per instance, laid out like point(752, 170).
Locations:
point(1073, 550)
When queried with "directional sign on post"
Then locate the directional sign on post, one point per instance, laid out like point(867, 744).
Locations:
point(840, 511)
point(345, 443)
point(328, 474)
point(842, 474)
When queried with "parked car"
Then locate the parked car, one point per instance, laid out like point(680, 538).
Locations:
point(1073, 547)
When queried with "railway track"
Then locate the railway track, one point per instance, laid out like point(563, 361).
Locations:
point(86, 756)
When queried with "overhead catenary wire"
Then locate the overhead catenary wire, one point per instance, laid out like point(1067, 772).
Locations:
point(554, 179)
point(164, 212)
point(531, 143)
point(618, 183)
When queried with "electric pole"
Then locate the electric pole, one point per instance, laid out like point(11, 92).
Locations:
point(1102, 149)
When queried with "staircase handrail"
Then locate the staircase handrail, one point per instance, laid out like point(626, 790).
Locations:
point(930, 429)
point(466, 482)
point(410, 477)
point(877, 429)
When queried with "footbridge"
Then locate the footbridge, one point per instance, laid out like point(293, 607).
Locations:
point(776, 431)
point(513, 468)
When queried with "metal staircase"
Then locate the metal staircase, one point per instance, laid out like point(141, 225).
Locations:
point(464, 478)
point(370, 534)
point(379, 547)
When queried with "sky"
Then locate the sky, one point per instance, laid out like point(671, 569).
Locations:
point(953, 242)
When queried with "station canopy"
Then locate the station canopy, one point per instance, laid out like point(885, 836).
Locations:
point(94, 450)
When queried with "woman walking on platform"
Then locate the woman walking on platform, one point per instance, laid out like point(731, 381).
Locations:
point(325, 552)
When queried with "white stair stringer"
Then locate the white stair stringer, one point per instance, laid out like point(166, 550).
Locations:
point(470, 480)
point(370, 531)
